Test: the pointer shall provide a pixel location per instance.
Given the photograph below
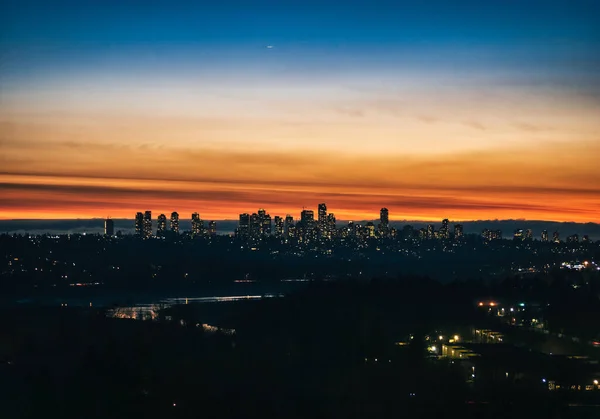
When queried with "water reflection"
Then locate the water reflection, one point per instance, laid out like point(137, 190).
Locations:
point(151, 311)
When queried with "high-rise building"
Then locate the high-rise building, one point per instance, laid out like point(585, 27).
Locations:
point(161, 225)
point(307, 216)
point(175, 222)
point(212, 228)
point(147, 224)
point(430, 232)
point(445, 230)
point(545, 235)
point(244, 225)
point(458, 231)
point(322, 219)
point(266, 225)
point(197, 225)
point(331, 225)
point(139, 224)
point(529, 234)
point(519, 234)
point(384, 217)
point(370, 229)
point(289, 222)
point(556, 237)
point(109, 227)
point(279, 227)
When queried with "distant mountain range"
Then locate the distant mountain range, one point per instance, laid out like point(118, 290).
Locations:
point(96, 225)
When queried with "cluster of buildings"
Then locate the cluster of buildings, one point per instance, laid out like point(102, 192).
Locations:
point(308, 228)
point(144, 227)
point(527, 235)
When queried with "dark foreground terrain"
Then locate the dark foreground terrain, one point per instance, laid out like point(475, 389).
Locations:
point(329, 351)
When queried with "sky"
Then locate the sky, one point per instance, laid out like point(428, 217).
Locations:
point(434, 109)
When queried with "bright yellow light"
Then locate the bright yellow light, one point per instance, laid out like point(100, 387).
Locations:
point(492, 304)
point(456, 338)
point(480, 304)
point(596, 382)
point(440, 337)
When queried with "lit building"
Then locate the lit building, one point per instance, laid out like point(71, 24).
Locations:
point(147, 224)
point(161, 225)
point(212, 228)
point(430, 231)
point(585, 238)
point(109, 227)
point(244, 225)
point(197, 225)
point(384, 216)
point(307, 216)
point(175, 222)
point(519, 235)
point(384, 222)
point(289, 222)
point(279, 226)
point(556, 237)
point(445, 230)
point(370, 229)
point(322, 220)
point(545, 235)
point(139, 224)
point(458, 231)
point(528, 234)
point(266, 225)
point(331, 225)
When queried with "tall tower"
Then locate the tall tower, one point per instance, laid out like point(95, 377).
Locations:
point(109, 227)
point(384, 217)
point(458, 231)
point(322, 219)
point(545, 235)
point(244, 225)
point(161, 225)
point(197, 225)
point(212, 228)
point(139, 224)
point(175, 222)
point(279, 227)
point(147, 224)
point(445, 230)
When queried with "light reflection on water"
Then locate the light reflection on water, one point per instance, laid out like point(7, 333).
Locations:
point(151, 311)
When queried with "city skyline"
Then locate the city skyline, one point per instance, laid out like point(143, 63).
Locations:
point(474, 110)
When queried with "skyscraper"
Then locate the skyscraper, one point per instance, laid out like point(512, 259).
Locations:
point(147, 224)
point(384, 217)
point(445, 230)
point(430, 231)
point(384, 222)
point(322, 220)
point(528, 234)
point(244, 225)
point(289, 222)
point(556, 237)
point(545, 235)
point(109, 227)
point(139, 224)
point(307, 216)
point(212, 228)
point(175, 222)
point(331, 227)
point(197, 225)
point(458, 231)
point(161, 225)
point(279, 226)
point(519, 234)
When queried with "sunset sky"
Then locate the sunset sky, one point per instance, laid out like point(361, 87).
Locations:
point(434, 109)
